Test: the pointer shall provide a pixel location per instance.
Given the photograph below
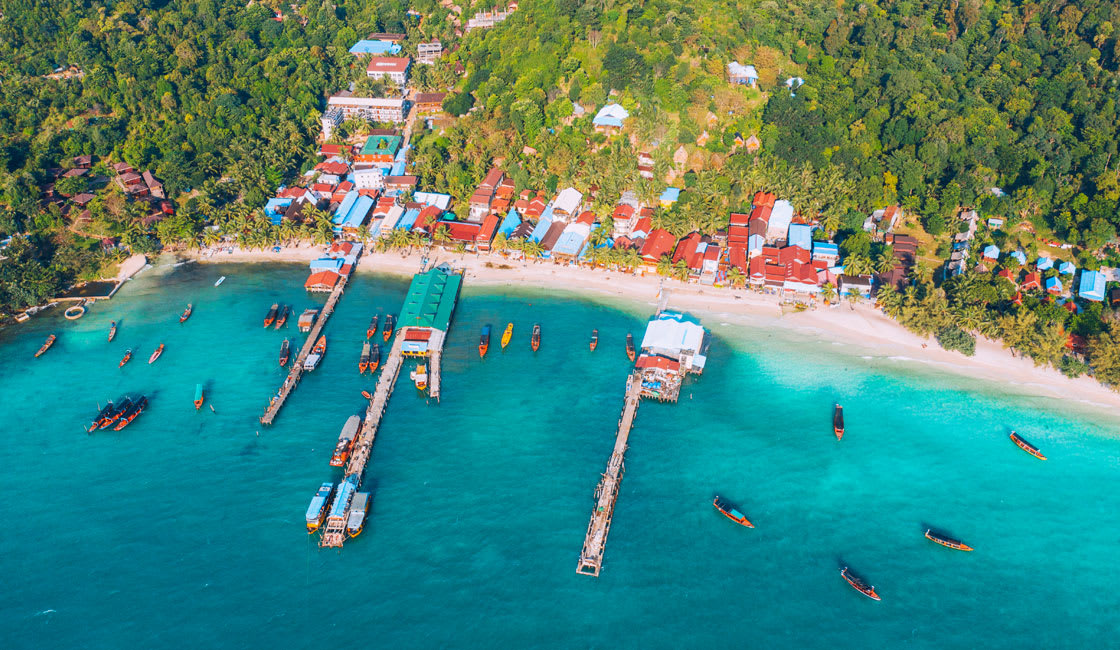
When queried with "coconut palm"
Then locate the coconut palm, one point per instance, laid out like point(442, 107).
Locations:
point(885, 260)
point(857, 265)
point(828, 292)
point(631, 259)
point(854, 296)
point(665, 266)
point(441, 235)
point(500, 243)
point(681, 270)
point(735, 277)
point(532, 250)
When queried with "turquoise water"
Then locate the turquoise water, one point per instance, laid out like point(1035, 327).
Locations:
point(186, 528)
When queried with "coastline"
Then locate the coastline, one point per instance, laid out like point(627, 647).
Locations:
point(863, 326)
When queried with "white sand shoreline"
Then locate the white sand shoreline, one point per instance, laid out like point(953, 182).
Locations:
point(864, 326)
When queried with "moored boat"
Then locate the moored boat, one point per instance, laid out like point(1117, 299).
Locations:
point(127, 357)
point(198, 396)
point(220, 281)
point(387, 333)
point(484, 341)
point(838, 422)
point(947, 541)
point(307, 319)
point(317, 353)
point(374, 357)
point(285, 352)
point(270, 317)
point(420, 376)
point(372, 329)
point(594, 339)
point(1026, 446)
point(317, 510)
point(186, 313)
point(535, 340)
point(100, 417)
point(47, 345)
point(630, 351)
point(156, 354)
point(858, 584)
point(731, 512)
point(346, 441)
point(132, 413)
point(282, 317)
point(119, 410)
point(363, 363)
point(112, 330)
point(507, 335)
point(356, 517)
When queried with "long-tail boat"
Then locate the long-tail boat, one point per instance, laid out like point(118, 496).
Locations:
point(1026, 446)
point(155, 355)
point(100, 417)
point(116, 413)
point(318, 351)
point(186, 313)
point(198, 396)
point(372, 329)
point(363, 363)
point(594, 339)
point(838, 422)
point(283, 316)
point(507, 335)
point(947, 541)
point(112, 330)
point(630, 352)
point(387, 333)
point(420, 376)
point(285, 352)
point(132, 413)
point(731, 512)
point(535, 341)
point(317, 511)
point(858, 584)
point(47, 345)
point(374, 357)
point(484, 341)
point(127, 357)
point(270, 317)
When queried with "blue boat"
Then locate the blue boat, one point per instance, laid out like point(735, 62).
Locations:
point(318, 508)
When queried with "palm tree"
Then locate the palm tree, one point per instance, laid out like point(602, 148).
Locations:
point(631, 259)
point(854, 296)
point(532, 250)
point(828, 292)
point(885, 260)
point(681, 270)
point(665, 266)
point(441, 235)
point(857, 265)
point(363, 234)
point(736, 277)
point(500, 243)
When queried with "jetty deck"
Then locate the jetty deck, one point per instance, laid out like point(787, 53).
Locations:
point(435, 347)
point(334, 535)
point(606, 493)
point(296, 372)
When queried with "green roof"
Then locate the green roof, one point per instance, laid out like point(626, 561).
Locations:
point(431, 299)
point(381, 145)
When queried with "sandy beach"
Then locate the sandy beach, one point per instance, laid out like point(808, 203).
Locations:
point(862, 326)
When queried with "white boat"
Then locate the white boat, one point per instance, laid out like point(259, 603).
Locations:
point(312, 361)
point(356, 517)
point(220, 280)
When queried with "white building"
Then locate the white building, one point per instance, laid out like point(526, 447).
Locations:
point(669, 334)
point(567, 202)
point(331, 119)
point(369, 179)
point(429, 53)
point(371, 108)
point(393, 68)
point(780, 217)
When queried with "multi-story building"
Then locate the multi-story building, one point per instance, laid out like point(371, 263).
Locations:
point(331, 119)
point(429, 53)
point(376, 109)
point(394, 68)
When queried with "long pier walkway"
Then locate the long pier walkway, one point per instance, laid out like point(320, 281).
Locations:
point(595, 543)
point(292, 380)
point(335, 534)
point(435, 344)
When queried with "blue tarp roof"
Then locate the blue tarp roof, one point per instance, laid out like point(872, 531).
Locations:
point(670, 194)
point(1053, 283)
point(755, 242)
point(375, 47)
point(510, 223)
point(326, 264)
point(408, 218)
point(1092, 285)
point(344, 207)
point(542, 226)
point(1044, 263)
point(610, 115)
point(356, 215)
point(991, 251)
point(569, 243)
point(800, 235)
point(274, 209)
point(342, 498)
point(824, 248)
point(397, 169)
point(1067, 268)
point(1020, 256)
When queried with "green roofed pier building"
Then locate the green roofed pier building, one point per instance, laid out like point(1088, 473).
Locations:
point(425, 317)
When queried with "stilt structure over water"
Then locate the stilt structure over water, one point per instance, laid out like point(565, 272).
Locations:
point(671, 348)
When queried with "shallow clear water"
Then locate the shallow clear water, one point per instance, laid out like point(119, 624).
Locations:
point(186, 529)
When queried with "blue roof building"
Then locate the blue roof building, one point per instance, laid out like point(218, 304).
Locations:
point(376, 48)
point(611, 115)
point(1053, 285)
point(991, 252)
point(1092, 286)
point(542, 226)
point(570, 243)
point(823, 250)
point(800, 235)
point(1067, 268)
point(274, 209)
point(408, 219)
point(670, 196)
point(1020, 257)
point(510, 223)
point(755, 243)
point(1044, 264)
point(355, 216)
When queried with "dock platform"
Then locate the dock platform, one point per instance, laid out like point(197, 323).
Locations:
point(606, 493)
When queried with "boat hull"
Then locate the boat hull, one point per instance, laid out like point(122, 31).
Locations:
point(947, 542)
point(731, 512)
point(859, 585)
point(507, 335)
point(1026, 446)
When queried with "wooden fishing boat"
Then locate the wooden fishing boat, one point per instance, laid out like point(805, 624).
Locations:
point(838, 422)
point(374, 358)
point(1026, 446)
point(47, 345)
point(282, 318)
point(112, 330)
point(484, 341)
point(372, 329)
point(127, 357)
point(731, 512)
point(535, 340)
point(507, 335)
point(132, 413)
point(947, 541)
point(387, 333)
point(420, 376)
point(116, 413)
point(100, 417)
point(155, 355)
point(198, 396)
point(285, 352)
point(318, 351)
point(363, 363)
point(270, 317)
point(594, 339)
point(630, 351)
point(858, 584)
point(186, 313)
point(346, 440)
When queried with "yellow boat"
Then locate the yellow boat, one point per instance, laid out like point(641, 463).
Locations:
point(507, 335)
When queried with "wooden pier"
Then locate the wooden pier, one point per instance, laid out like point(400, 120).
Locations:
point(435, 346)
point(334, 535)
point(606, 493)
point(292, 380)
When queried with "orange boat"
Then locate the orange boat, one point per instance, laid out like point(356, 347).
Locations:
point(112, 330)
point(535, 341)
point(594, 339)
point(484, 341)
point(731, 512)
point(858, 584)
point(630, 352)
point(374, 358)
point(838, 422)
point(132, 413)
point(387, 333)
point(126, 359)
point(947, 541)
point(198, 396)
point(346, 441)
point(282, 317)
point(46, 346)
point(186, 313)
point(1026, 446)
point(270, 317)
point(372, 329)
point(363, 362)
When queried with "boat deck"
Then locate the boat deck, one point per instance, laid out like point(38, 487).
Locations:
point(606, 493)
